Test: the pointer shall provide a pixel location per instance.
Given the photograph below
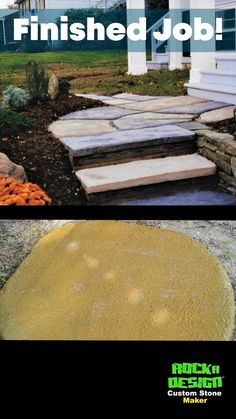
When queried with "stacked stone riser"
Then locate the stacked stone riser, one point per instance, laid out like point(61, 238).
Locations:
point(221, 149)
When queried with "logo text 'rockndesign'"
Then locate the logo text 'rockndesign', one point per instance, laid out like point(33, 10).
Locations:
point(195, 375)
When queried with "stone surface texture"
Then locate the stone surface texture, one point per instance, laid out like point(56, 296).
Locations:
point(192, 126)
point(145, 116)
point(120, 140)
point(217, 115)
point(139, 98)
point(144, 172)
point(198, 108)
point(156, 299)
point(127, 124)
point(78, 128)
point(221, 149)
point(162, 103)
point(53, 87)
point(106, 112)
point(7, 167)
point(233, 165)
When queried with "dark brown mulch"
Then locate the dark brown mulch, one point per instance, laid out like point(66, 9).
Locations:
point(225, 126)
point(44, 158)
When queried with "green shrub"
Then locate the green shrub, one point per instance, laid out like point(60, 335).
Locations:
point(12, 123)
point(15, 98)
point(36, 81)
point(64, 86)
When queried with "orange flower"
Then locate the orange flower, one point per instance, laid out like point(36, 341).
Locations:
point(14, 192)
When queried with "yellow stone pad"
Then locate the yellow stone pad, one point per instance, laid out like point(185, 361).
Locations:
point(112, 280)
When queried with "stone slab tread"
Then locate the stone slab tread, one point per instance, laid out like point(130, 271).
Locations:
point(121, 140)
point(144, 172)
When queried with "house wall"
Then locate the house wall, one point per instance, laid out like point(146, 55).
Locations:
point(6, 28)
point(76, 4)
point(68, 4)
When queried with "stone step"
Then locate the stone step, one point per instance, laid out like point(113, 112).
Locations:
point(123, 146)
point(152, 65)
point(211, 91)
point(226, 62)
point(223, 77)
point(144, 172)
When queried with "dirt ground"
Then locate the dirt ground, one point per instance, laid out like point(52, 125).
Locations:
point(228, 126)
point(17, 238)
point(43, 157)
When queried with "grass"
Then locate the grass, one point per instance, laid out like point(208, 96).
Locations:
point(3, 281)
point(227, 255)
point(101, 72)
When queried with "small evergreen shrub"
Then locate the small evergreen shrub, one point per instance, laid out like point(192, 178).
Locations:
point(64, 87)
point(15, 98)
point(36, 81)
point(12, 123)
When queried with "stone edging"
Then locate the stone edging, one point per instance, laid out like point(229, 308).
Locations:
point(221, 149)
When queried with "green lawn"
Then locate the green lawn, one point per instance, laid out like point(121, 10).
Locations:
point(102, 72)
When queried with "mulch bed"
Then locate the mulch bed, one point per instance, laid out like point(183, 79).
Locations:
point(228, 126)
point(43, 157)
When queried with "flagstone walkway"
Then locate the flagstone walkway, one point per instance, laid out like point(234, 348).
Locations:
point(127, 111)
point(135, 127)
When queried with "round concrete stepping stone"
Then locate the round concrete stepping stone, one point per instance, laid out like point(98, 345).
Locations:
point(106, 112)
point(81, 128)
point(218, 115)
point(163, 103)
point(112, 280)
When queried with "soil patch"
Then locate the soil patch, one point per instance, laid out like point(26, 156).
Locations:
point(44, 158)
point(228, 126)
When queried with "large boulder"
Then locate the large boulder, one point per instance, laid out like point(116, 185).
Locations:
point(7, 167)
point(53, 87)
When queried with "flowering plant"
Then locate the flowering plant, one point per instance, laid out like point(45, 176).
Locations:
point(14, 192)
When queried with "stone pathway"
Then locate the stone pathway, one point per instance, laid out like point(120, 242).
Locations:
point(135, 127)
point(147, 111)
